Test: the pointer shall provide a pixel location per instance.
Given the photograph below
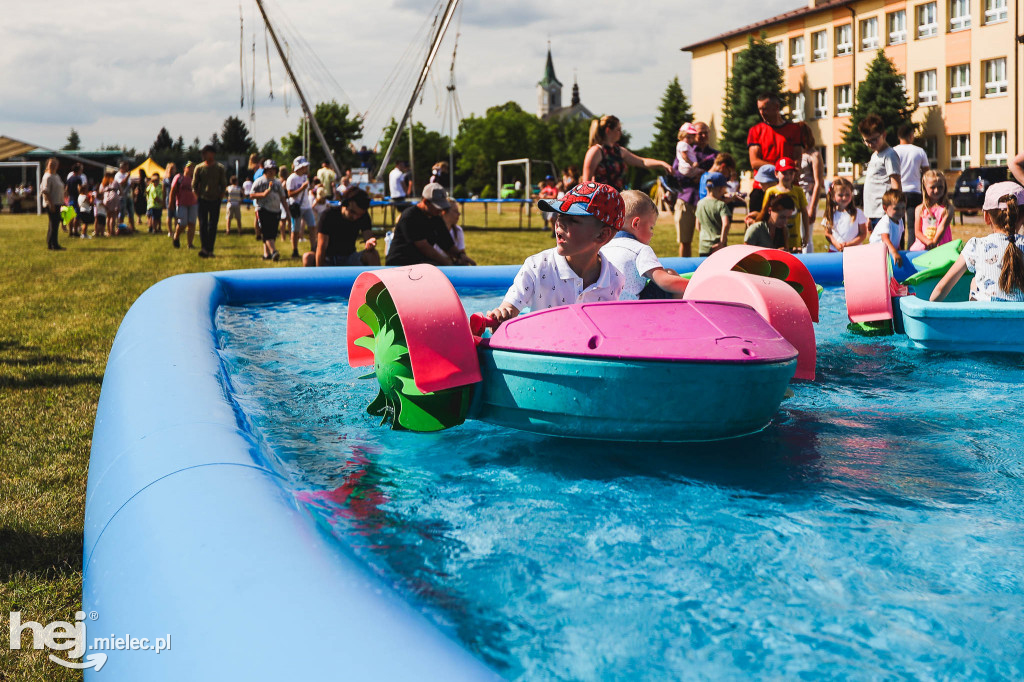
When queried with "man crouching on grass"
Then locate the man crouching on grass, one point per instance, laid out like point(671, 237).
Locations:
point(586, 218)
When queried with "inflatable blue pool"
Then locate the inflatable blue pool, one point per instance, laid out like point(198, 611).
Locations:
point(191, 530)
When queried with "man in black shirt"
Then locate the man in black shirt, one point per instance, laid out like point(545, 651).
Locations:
point(338, 229)
point(420, 228)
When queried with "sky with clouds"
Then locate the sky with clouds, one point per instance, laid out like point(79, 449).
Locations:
point(119, 71)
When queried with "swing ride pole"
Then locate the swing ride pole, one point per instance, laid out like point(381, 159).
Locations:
point(302, 98)
point(448, 12)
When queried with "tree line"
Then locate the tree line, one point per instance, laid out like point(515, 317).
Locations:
point(506, 131)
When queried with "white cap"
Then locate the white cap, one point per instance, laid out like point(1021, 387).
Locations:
point(299, 162)
point(999, 190)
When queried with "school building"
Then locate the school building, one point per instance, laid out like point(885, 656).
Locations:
point(961, 61)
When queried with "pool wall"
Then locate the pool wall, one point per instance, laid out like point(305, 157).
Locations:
point(190, 533)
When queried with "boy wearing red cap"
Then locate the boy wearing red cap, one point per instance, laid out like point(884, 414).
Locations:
point(586, 218)
point(798, 235)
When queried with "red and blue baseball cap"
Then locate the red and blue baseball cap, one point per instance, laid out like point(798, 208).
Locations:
point(589, 199)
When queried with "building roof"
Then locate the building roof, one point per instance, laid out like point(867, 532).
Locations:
point(549, 73)
point(817, 6)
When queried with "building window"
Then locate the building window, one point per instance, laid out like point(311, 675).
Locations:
point(798, 106)
point(897, 22)
point(780, 58)
point(959, 82)
point(995, 11)
point(959, 15)
point(931, 150)
point(819, 46)
point(959, 151)
point(869, 34)
point(844, 39)
point(796, 51)
point(995, 148)
point(903, 82)
point(995, 77)
point(927, 21)
point(821, 103)
point(845, 165)
point(844, 100)
point(927, 87)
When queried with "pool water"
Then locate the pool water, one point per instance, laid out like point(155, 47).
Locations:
point(875, 529)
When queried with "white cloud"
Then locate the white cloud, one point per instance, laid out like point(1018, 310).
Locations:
point(125, 68)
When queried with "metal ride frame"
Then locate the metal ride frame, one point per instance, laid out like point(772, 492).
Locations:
point(23, 164)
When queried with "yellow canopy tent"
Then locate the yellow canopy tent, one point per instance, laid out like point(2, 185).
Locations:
point(149, 166)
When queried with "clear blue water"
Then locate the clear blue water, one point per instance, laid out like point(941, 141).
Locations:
point(874, 530)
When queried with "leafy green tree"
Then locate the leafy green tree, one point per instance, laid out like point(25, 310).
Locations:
point(429, 147)
point(74, 142)
point(882, 93)
point(192, 153)
point(214, 142)
point(271, 150)
point(754, 70)
point(503, 132)
point(673, 112)
point(569, 139)
point(234, 137)
point(339, 131)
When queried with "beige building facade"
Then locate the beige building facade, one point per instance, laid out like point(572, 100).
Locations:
point(961, 60)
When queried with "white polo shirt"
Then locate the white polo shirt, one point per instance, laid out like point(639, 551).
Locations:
point(634, 260)
point(547, 281)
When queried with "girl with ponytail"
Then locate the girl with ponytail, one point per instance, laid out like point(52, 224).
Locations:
point(996, 259)
point(606, 160)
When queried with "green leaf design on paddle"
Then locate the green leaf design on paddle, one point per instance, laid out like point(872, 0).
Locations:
point(399, 401)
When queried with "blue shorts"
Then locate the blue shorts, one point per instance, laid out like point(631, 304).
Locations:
point(307, 216)
point(155, 213)
point(188, 215)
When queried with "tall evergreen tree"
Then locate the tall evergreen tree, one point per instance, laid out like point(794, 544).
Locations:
point(882, 92)
point(234, 137)
point(192, 153)
point(754, 70)
point(74, 142)
point(673, 112)
point(163, 142)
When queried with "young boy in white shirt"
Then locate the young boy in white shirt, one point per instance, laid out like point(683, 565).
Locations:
point(883, 170)
point(631, 253)
point(889, 228)
point(587, 217)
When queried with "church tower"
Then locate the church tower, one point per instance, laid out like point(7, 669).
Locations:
point(549, 90)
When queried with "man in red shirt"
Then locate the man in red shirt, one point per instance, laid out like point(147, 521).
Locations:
point(774, 137)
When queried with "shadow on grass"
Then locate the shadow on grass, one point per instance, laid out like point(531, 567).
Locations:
point(44, 556)
point(14, 354)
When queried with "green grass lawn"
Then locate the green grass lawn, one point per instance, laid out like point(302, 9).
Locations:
point(57, 323)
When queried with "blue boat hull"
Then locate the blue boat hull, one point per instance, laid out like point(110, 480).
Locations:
point(628, 400)
point(965, 327)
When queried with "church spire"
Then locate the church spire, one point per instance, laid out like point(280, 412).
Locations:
point(575, 90)
point(549, 72)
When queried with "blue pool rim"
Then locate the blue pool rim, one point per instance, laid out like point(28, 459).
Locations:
point(188, 532)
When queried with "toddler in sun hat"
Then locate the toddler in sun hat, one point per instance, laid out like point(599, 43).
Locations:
point(586, 218)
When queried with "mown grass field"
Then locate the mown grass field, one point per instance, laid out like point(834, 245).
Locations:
point(57, 322)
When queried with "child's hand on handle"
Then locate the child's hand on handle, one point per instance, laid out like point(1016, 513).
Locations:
point(493, 318)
